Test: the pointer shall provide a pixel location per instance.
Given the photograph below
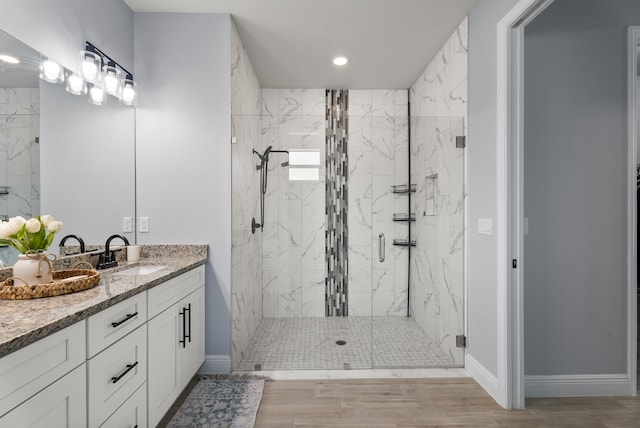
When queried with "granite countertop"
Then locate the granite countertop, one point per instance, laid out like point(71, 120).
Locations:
point(23, 322)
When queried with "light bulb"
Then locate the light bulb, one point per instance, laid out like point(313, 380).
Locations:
point(340, 60)
point(51, 71)
point(75, 85)
point(97, 95)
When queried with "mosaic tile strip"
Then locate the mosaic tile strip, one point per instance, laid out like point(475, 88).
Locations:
point(337, 249)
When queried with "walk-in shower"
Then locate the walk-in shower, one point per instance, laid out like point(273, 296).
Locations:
point(362, 262)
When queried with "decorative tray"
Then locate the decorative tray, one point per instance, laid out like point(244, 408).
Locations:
point(64, 282)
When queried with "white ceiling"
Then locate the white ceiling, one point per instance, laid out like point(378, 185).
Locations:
point(291, 42)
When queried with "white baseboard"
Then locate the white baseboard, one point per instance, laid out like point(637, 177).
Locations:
point(484, 377)
point(576, 385)
point(216, 364)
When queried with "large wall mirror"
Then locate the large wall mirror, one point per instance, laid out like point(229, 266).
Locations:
point(61, 155)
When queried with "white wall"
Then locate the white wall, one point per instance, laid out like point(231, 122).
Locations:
point(575, 187)
point(184, 149)
point(482, 250)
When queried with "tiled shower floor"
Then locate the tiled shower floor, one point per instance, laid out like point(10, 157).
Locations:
point(310, 343)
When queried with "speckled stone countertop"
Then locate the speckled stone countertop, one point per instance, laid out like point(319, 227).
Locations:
point(23, 322)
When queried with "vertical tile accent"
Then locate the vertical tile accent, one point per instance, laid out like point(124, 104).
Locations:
point(337, 172)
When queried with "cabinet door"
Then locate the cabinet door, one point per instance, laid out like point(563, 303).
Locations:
point(60, 405)
point(164, 381)
point(193, 349)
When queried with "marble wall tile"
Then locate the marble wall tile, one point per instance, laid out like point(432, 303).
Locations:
point(313, 293)
point(294, 244)
point(248, 283)
point(313, 102)
point(383, 103)
point(289, 102)
point(269, 103)
point(437, 265)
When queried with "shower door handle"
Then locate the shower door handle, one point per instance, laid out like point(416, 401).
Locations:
point(381, 247)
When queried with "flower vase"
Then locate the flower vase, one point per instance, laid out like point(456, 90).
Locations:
point(33, 269)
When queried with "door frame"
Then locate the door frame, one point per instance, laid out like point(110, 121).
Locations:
point(633, 110)
point(510, 215)
point(510, 218)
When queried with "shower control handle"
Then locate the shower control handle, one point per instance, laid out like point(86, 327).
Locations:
point(381, 247)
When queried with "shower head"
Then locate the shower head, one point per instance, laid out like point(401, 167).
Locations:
point(266, 152)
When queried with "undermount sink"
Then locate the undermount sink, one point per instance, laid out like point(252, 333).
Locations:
point(140, 270)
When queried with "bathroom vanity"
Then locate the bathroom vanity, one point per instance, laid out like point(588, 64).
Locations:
point(116, 355)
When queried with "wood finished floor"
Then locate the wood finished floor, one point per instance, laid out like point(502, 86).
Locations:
point(377, 403)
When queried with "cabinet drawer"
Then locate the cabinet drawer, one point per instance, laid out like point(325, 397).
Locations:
point(61, 405)
point(106, 327)
point(133, 413)
point(30, 369)
point(115, 374)
point(164, 295)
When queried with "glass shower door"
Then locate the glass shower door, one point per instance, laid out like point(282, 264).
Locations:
point(418, 306)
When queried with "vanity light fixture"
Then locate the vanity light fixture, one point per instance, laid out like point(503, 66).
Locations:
point(9, 59)
point(340, 60)
point(51, 71)
point(116, 80)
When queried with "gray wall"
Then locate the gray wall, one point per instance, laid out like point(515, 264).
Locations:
point(482, 261)
point(183, 147)
point(575, 187)
point(59, 28)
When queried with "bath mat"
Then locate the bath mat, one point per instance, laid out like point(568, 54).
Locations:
point(221, 401)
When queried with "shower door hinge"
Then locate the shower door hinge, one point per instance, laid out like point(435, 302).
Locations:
point(461, 341)
point(461, 142)
point(514, 263)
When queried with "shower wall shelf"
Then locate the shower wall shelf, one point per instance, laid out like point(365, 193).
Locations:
point(404, 217)
point(4, 190)
point(403, 188)
point(403, 242)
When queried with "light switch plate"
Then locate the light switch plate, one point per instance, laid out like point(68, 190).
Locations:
point(144, 224)
point(485, 226)
point(127, 225)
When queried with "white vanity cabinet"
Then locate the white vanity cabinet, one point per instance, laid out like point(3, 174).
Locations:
point(176, 339)
point(122, 367)
point(44, 384)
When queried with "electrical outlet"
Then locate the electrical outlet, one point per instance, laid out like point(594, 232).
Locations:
point(127, 224)
point(144, 224)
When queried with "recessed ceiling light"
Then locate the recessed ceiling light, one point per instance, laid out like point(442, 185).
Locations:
point(9, 59)
point(340, 60)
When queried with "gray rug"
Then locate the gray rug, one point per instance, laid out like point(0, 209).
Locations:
point(221, 401)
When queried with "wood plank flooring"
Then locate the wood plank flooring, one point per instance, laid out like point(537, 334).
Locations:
point(377, 403)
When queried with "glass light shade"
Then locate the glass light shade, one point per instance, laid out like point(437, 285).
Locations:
point(97, 95)
point(51, 71)
point(128, 93)
point(90, 66)
point(111, 80)
point(76, 85)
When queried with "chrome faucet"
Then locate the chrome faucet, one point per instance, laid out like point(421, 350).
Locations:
point(77, 238)
point(108, 258)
